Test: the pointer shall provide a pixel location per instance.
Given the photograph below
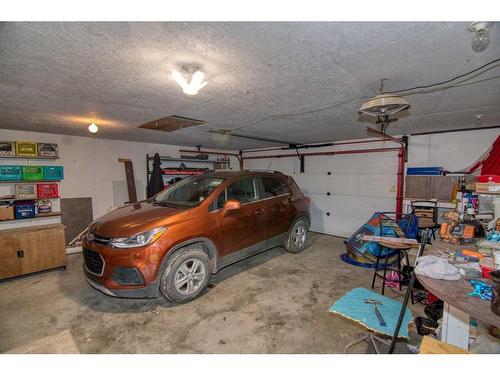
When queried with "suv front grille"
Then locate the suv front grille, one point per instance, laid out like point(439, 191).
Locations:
point(93, 262)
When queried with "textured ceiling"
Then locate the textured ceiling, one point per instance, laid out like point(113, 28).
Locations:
point(56, 77)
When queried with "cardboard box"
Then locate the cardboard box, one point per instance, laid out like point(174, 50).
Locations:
point(6, 213)
point(490, 188)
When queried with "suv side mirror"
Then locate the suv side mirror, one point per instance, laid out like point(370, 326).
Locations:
point(232, 205)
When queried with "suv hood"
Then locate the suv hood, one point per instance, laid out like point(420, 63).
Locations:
point(135, 218)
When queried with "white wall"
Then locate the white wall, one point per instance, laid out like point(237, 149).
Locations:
point(359, 184)
point(452, 151)
point(91, 165)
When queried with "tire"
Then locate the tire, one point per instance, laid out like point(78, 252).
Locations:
point(298, 236)
point(187, 275)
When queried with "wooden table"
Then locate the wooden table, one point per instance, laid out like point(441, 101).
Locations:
point(458, 306)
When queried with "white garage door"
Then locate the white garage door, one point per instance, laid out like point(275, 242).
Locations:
point(345, 190)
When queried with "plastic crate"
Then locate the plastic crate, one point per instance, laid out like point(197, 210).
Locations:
point(48, 150)
point(10, 173)
point(24, 210)
point(26, 149)
point(7, 148)
point(47, 191)
point(55, 173)
point(32, 173)
point(25, 191)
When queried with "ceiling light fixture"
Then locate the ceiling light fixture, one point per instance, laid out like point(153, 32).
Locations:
point(194, 83)
point(481, 37)
point(383, 106)
point(93, 128)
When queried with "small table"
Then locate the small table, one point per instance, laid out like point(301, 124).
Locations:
point(458, 306)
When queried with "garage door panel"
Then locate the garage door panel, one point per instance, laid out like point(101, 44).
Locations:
point(313, 183)
point(321, 202)
point(361, 207)
point(358, 163)
point(335, 225)
point(354, 184)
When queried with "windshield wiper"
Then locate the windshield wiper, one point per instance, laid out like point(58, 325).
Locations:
point(164, 204)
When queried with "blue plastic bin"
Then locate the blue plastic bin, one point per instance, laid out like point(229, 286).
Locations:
point(424, 171)
point(55, 173)
point(24, 210)
point(10, 173)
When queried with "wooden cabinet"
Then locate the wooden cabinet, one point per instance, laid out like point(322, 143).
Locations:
point(32, 249)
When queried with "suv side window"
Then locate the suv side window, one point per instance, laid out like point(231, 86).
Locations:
point(219, 202)
point(274, 186)
point(244, 190)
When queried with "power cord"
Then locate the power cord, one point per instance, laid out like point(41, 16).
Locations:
point(444, 82)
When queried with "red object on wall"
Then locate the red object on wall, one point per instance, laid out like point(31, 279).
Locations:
point(488, 178)
point(47, 191)
point(489, 163)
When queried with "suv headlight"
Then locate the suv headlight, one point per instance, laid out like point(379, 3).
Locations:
point(138, 240)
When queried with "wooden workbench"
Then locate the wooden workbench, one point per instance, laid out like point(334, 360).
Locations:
point(459, 307)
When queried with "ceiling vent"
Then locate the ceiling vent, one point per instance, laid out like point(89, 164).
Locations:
point(172, 123)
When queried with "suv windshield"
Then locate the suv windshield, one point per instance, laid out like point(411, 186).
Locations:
point(189, 192)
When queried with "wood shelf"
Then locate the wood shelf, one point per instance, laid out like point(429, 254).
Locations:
point(29, 182)
point(39, 216)
point(26, 199)
point(190, 160)
point(29, 157)
point(181, 173)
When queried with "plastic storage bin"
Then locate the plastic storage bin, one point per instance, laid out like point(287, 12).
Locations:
point(7, 148)
point(26, 149)
point(32, 173)
point(25, 191)
point(424, 171)
point(47, 190)
point(55, 173)
point(24, 210)
point(47, 150)
point(10, 173)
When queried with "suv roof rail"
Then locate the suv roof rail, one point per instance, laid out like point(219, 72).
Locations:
point(262, 170)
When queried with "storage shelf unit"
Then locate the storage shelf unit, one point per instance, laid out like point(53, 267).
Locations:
point(180, 160)
point(27, 199)
point(39, 216)
point(29, 181)
point(29, 157)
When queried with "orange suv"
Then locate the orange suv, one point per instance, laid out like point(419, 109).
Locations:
point(176, 240)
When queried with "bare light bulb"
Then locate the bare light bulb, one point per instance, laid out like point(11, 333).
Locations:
point(195, 84)
point(93, 128)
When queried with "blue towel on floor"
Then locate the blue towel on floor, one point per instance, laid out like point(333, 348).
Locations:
point(352, 306)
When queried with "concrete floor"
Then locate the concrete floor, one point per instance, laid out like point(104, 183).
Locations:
point(274, 302)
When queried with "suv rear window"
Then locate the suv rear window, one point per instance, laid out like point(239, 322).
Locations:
point(274, 186)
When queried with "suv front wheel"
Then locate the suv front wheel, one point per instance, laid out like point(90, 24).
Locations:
point(298, 236)
point(187, 275)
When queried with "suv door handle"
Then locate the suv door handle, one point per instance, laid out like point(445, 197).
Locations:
point(258, 211)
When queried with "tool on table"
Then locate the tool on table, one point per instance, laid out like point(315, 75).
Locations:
point(481, 289)
point(374, 304)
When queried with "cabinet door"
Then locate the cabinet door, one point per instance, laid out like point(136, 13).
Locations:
point(10, 263)
point(43, 249)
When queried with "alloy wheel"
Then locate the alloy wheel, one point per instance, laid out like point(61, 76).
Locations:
point(190, 276)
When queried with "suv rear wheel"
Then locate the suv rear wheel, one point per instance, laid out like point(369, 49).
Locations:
point(187, 275)
point(298, 236)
